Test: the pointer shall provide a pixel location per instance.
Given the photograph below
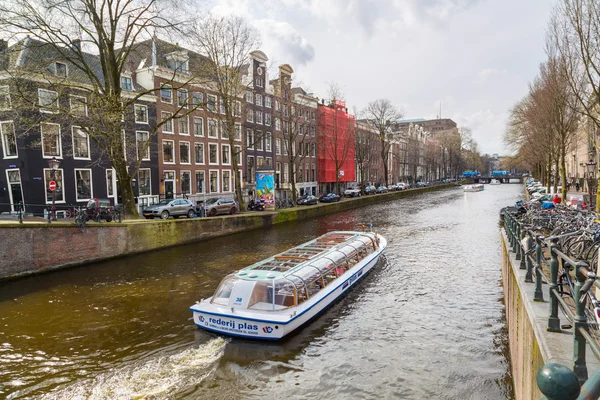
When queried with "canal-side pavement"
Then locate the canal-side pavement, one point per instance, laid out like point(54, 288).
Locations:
point(31, 248)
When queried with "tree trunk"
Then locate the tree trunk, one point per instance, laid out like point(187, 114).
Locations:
point(127, 199)
point(385, 166)
point(293, 182)
point(549, 174)
point(556, 173)
point(563, 172)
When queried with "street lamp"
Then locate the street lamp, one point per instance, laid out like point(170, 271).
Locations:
point(591, 168)
point(53, 164)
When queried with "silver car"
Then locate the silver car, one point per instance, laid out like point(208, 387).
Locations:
point(170, 208)
point(221, 206)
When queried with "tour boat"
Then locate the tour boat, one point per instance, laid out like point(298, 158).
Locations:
point(495, 182)
point(273, 297)
point(478, 187)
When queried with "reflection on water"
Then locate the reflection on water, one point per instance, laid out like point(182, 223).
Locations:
point(426, 323)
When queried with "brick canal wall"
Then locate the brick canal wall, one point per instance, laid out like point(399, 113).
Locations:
point(27, 249)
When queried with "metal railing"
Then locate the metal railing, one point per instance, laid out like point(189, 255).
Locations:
point(556, 381)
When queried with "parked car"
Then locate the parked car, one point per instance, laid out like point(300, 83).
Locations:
point(329, 198)
point(99, 209)
point(391, 188)
point(221, 205)
point(577, 200)
point(382, 189)
point(170, 208)
point(370, 189)
point(352, 191)
point(307, 200)
point(401, 186)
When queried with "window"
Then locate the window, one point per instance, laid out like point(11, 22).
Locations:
point(224, 133)
point(258, 100)
point(250, 139)
point(259, 140)
point(313, 173)
point(285, 148)
point(199, 181)
point(267, 119)
point(258, 117)
point(259, 162)
point(286, 127)
point(126, 83)
point(269, 161)
point(168, 156)
point(277, 106)
point(312, 131)
point(249, 116)
point(184, 152)
point(237, 111)
point(9, 139)
point(78, 105)
point(48, 101)
point(212, 128)
point(142, 143)
point(222, 107)
point(238, 132)
point(124, 144)
point(109, 183)
point(285, 111)
point(144, 185)
point(4, 98)
point(181, 66)
point(213, 154)
point(249, 96)
point(214, 181)
point(238, 155)
point(250, 171)
point(186, 182)
point(59, 193)
point(59, 69)
point(199, 153)
point(312, 115)
point(212, 103)
point(166, 94)
point(51, 143)
point(197, 99)
point(226, 154)
point(278, 146)
point(285, 173)
point(81, 144)
point(226, 175)
point(167, 117)
point(313, 150)
point(267, 102)
point(277, 124)
point(198, 126)
point(300, 148)
point(141, 113)
point(83, 184)
point(268, 141)
point(182, 98)
point(184, 125)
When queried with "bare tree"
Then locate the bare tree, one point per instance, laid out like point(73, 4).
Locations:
point(365, 150)
point(382, 115)
point(95, 40)
point(228, 42)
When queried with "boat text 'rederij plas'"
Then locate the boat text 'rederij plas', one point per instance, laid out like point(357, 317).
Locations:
point(273, 297)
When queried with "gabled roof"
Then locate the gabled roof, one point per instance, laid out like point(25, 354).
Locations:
point(143, 51)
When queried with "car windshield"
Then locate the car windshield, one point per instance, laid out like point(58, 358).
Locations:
point(211, 201)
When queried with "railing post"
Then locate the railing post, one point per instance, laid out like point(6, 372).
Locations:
point(520, 250)
point(512, 234)
point(538, 295)
point(579, 366)
point(528, 263)
point(553, 320)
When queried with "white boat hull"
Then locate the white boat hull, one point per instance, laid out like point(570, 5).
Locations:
point(474, 188)
point(274, 325)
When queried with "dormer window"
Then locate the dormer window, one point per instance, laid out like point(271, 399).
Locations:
point(126, 83)
point(59, 69)
point(178, 61)
point(181, 66)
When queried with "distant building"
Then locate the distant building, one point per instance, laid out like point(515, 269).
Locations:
point(429, 125)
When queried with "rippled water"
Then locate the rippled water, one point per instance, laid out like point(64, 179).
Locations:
point(426, 323)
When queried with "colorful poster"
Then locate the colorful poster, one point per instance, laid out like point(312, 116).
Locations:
point(265, 187)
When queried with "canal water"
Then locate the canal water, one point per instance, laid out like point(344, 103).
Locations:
point(426, 323)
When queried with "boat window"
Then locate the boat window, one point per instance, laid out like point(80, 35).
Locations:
point(262, 296)
point(224, 291)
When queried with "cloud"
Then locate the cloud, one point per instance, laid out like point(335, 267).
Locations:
point(486, 74)
point(283, 41)
point(488, 128)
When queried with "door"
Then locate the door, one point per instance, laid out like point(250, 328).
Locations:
point(15, 190)
point(169, 189)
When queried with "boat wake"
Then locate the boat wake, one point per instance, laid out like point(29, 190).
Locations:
point(157, 378)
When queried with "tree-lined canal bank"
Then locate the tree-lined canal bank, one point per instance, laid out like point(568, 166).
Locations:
point(427, 323)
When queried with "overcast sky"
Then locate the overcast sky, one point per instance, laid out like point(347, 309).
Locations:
point(475, 56)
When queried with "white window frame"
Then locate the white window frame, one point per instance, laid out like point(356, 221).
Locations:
point(203, 154)
point(222, 176)
point(197, 95)
point(163, 151)
point(258, 100)
point(249, 96)
point(238, 153)
point(277, 124)
point(278, 146)
point(237, 111)
point(55, 72)
point(5, 157)
point(59, 141)
point(7, 94)
point(46, 110)
point(164, 126)
point(213, 121)
point(268, 141)
point(268, 103)
point(181, 173)
point(260, 161)
point(147, 156)
point(189, 162)
point(187, 123)
point(73, 129)
point(203, 181)
point(249, 115)
point(77, 199)
point(201, 119)
point(216, 145)
point(218, 181)
point(249, 143)
point(216, 102)
point(186, 102)
point(10, 196)
point(138, 180)
point(71, 97)
point(112, 186)
point(228, 147)
point(258, 117)
point(142, 106)
point(267, 119)
point(130, 81)
point(238, 132)
point(62, 185)
point(165, 87)
point(259, 140)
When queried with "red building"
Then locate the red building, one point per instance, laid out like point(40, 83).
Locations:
point(336, 146)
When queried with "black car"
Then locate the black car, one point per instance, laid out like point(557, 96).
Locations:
point(382, 189)
point(329, 198)
point(307, 200)
point(370, 189)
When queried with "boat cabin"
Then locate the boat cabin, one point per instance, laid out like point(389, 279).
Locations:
point(294, 276)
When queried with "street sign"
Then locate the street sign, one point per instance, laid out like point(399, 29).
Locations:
point(52, 186)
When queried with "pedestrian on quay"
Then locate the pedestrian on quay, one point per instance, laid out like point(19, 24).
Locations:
point(556, 199)
point(577, 186)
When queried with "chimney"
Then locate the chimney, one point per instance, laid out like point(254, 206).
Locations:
point(3, 45)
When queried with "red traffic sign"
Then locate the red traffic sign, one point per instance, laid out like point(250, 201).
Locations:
point(52, 186)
